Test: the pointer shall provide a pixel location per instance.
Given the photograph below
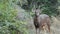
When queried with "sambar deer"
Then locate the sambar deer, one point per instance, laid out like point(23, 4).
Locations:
point(41, 21)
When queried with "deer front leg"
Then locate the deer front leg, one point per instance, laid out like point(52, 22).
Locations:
point(36, 30)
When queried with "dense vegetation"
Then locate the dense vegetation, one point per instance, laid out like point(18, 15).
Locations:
point(9, 24)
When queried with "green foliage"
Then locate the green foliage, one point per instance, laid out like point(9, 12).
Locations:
point(8, 22)
point(49, 6)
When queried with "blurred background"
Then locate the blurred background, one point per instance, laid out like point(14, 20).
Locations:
point(16, 16)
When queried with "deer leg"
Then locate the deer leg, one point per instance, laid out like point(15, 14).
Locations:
point(44, 29)
point(39, 30)
point(49, 29)
point(36, 30)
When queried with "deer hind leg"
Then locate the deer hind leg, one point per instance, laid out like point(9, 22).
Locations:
point(44, 27)
point(49, 29)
